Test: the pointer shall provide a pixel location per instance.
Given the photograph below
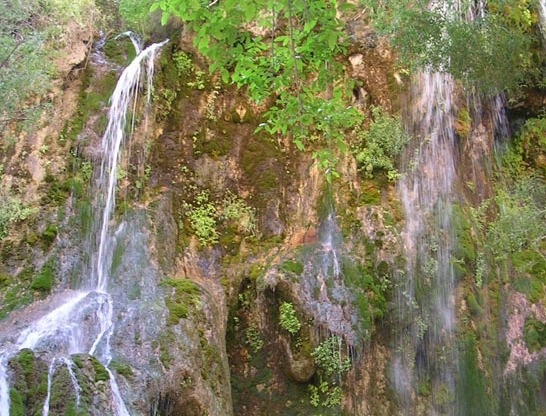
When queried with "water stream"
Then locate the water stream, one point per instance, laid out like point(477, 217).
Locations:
point(426, 348)
point(84, 322)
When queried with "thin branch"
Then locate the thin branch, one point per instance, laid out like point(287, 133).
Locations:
point(5, 61)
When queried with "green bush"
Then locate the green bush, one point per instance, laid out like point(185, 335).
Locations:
point(288, 319)
point(44, 281)
point(380, 144)
point(203, 218)
point(328, 357)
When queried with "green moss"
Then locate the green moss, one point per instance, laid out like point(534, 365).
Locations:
point(258, 159)
point(473, 305)
point(101, 373)
point(120, 51)
point(532, 288)
point(117, 257)
point(371, 193)
point(465, 249)
point(16, 296)
point(122, 368)
point(44, 281)
point(472, 392)
point(49, 234)
point(5, 280)
point(255, 272)
point(16, 405)
point(77, 360)
point(219, 145)
point(534, 334)
point(529, 261)
point(290, 266)
point(186, 294)
point(26, 359)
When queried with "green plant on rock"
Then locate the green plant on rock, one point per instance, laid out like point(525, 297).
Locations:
point(332, 366)
point(203, 218)
point(12, 210)
point(183, 63)
point(327, 395)
point(185, 295)
point(235, 209)
point(254, 339)
point(288, 318)
point(328, 357)
point(380, 144)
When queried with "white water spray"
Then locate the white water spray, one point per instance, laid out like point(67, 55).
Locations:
point(84, 322)
point(426, 192)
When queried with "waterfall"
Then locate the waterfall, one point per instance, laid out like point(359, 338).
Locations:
point(425, 299)
point(84, 322)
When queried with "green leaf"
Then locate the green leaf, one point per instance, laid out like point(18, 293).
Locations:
point(164, 18)
point(309, 26)
point(332, 40)
point(250, 11)
point(225, 75)
point(155, 6)
point(204, 43)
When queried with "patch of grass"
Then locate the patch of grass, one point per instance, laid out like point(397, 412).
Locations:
point(290, 266)
point(534, 334)
point(44, 282)
point(101, 373)
point(26, 359)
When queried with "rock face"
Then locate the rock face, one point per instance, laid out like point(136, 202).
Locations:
point(217, 227)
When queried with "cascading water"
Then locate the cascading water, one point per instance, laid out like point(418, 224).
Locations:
point(426, 348)
point(83, 323)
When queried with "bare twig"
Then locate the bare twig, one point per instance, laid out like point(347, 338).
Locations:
point(5, 61)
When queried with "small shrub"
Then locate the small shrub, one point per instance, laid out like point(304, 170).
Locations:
point(328, 357)
point(202, 216)
point(44, 281)
point(380, 144)
point(288, 319)
point(254, 339)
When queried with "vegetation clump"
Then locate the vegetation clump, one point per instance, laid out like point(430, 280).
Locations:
point(185, 294)
point(44, 280)
point(380, 144)
point(288, 318)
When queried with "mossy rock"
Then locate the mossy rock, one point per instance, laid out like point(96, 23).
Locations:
point(44, 281)
point(291, 266)
point(101, 373)
point(186, 294)
point(532, 288)
point(534, 334)
point(16, 405)
point(49, 234)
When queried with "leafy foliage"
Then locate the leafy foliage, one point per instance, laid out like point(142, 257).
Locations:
point(284, 47)
point(492, 48)
point(329, 359)
point(202, 216)
point(380, 144)
point(288, 318)
point(205, 217)
point(12, 210)
point(31, 33)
